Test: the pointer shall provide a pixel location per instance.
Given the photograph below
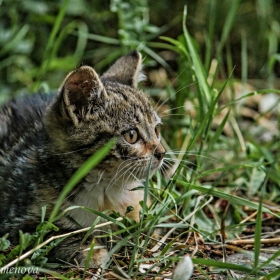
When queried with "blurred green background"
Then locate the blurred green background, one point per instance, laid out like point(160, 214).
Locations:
point(208, 88)
point(42, 40)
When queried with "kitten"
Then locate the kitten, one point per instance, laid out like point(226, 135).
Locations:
point(44, 139)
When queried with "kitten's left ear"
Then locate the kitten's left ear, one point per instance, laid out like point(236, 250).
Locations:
point(80, 91)
point(126, 70)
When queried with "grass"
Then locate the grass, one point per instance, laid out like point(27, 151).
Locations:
point(225, 190)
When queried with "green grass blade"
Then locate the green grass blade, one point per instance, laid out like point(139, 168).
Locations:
point(273, 275)
point(217, 264)
point(52, 273)
point(51, 42)
point(244, 59)
point(161, 46)
point(218, 132)
point(230, 168)
point(205, 91)
point(231, 15)
point(100, 38)
point(226, 196)
point(144, 209)
point(155, 56)
point(15, 41)
point(258, 230)
point(82, 40)
point(262, 91)
point(267, 262)
point(201, 128)
point(209, 36)
point(88, 259)
point(81, 173)
point(104, 216)
point(81, 43)
point(179, 46)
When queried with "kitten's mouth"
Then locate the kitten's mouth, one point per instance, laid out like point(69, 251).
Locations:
point(153, 166)
point(156, 164)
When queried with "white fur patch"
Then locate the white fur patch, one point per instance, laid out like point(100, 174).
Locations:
point(97, 196)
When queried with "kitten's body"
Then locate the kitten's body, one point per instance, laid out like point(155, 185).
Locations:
point(45, 139)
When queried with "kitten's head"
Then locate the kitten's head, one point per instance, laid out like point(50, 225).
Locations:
point(90, 110)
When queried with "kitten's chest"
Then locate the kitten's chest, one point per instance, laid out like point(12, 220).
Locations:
point(100, 194)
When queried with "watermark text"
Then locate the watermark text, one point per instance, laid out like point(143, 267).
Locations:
point(19, 270)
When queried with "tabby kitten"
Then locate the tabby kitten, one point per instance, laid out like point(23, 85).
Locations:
point(44, 139)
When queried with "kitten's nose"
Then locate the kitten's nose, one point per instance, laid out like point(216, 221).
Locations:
point(159, 155)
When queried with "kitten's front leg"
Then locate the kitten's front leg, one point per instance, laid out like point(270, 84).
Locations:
point(71, 250)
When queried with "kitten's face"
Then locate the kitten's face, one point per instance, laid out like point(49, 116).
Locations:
point(137, 128)
point(89, 111)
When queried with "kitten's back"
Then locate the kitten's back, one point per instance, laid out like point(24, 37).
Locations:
point(20, 121)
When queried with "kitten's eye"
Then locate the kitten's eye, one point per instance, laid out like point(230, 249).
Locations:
point(157, 131)
point(131, 136)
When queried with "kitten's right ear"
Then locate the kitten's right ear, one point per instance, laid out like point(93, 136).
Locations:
point(79, 92)
point(127, 70)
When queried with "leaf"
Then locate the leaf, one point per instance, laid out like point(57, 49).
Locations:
point(204, 223)
point(2, 260)
point(256, 180)
point(25, 239)
point(4, 243)
point(14, 253)
point(46, 227)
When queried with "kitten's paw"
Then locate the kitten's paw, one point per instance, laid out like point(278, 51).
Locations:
point(98, 257)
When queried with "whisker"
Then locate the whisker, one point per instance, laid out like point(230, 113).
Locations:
point(158, 107)
point(177, 77)
point(118, 174)
point(163, 168)
point(172, 109)
point(132, 166)
point(167, 115)
point(131, 173)
point(191, 154)
point(71, 152)
point(168, 169)
point(134, 176)
point(124, 177)
point(179, 160)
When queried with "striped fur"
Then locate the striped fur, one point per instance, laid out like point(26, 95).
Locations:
point(44, 139)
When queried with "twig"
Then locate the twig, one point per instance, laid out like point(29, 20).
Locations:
point(249, 217)
point(252, 241)
point(50, 240)
point(164, 238)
